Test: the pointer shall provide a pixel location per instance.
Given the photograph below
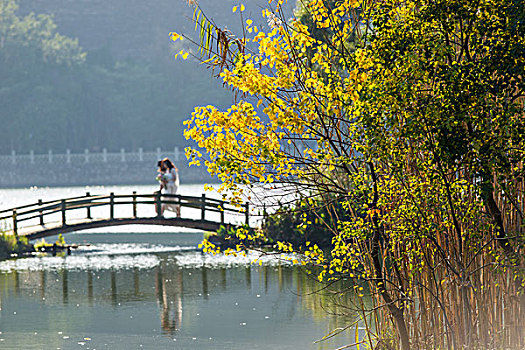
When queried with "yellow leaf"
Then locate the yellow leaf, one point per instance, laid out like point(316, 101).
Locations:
point(242, 7)
point(249, 22)
point(234, 9)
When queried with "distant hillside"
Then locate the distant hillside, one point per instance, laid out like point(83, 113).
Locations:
point(129, 93)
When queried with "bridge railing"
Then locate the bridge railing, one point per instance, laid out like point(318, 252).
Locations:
point(44, 210)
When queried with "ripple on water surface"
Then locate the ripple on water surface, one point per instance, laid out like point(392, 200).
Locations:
point(133, 256)
point(93, 262)
point(197, 259)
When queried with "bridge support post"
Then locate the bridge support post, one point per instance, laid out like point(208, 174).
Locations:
point(203, 206)
point(63, 209)
point(112, 206)
point(247, 213)
point(135, 203)
point(15, 224)
point(89, 206)
point(40, 213)
point(158, 205)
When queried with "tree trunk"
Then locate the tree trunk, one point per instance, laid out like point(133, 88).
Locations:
point(395, 311)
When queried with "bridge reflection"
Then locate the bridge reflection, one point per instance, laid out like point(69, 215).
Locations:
point(178, 294)
point(167, 285)
point(169, 289)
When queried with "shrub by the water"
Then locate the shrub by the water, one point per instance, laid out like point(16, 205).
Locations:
point(233, 237)
point(309, 220)
point(10, 245)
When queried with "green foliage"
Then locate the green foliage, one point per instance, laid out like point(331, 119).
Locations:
point(55, 95)
point(471, 118)
point(308, 220)
point(324, 35)
point(224, 232)
point(10, 245)
point(208, 234)
point(32, 39)
point(420, 131)
point(60, 240)
point(41, 244)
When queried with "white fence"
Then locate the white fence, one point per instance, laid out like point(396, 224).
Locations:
point(87, 157)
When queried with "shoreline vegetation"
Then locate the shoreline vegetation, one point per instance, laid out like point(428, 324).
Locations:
point(301, 223)
point(409, 115)
point(15, 247)
point(11, 247)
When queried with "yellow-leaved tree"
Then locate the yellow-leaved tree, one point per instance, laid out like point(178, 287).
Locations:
point(410, 115)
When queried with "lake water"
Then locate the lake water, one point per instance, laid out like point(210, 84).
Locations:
point(144, 287)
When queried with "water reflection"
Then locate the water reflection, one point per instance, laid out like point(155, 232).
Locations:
point(42, 284)
point(150, 289)
point(169, 295)
point(200, 306)
point(65, 293)
point(136, 281)
point(204, 272)
point(248, 277)
point(89, 275)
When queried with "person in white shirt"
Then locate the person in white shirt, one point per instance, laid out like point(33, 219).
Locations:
point(171, 185)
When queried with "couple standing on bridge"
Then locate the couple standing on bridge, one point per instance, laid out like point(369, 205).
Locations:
point(168, 177)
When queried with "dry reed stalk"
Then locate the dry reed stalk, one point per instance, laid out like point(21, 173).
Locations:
point(481, 310)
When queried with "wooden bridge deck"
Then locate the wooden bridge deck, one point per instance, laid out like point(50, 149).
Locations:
point(39, 220)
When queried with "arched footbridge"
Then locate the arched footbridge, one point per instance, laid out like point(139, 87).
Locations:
point(43, 219)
